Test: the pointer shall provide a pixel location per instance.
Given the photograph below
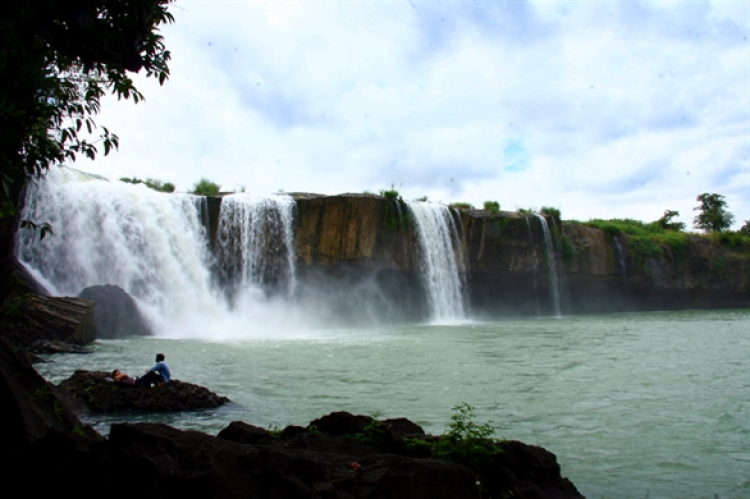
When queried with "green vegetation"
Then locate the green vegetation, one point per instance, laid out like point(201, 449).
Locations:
point(461, 206)
point(206, 188)
point(390, 194)
point(568, 250)
point(550, 212)
point(720, 266)
point(422, 199)
point(151, 183)
point(466, 442)
point(646, 240)
point(665, 222)
point(739, 240)
point(373, 434)
point(57, 61)
point(713, 216)
point(492, 206)
point(394, 216)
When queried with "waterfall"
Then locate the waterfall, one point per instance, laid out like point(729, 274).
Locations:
point(553, 278)
point(254, 246)
point(149, 243)
point(439, 265)
point(156, 247)
point(533, 255)
point(620, 260)
point(562, 276)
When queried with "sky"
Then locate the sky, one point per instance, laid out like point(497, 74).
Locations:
point(601, 109)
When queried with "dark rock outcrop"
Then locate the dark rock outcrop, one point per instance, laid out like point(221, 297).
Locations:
point(59, 319)
point(355, 457)
point(100, 394)
point(116, 314)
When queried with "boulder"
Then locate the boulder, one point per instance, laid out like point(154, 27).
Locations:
point(32, 410)
point(116, 314)
point(101, 394)
point(33, 317)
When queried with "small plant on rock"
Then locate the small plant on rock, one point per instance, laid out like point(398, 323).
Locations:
point(492, 206)
point(390, 194)
point(206, 188)
point(466, 442)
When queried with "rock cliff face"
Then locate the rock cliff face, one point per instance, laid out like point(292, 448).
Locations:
point(362, 249)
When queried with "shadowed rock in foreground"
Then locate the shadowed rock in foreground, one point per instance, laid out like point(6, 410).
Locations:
point(336, 456)
point(96, 390)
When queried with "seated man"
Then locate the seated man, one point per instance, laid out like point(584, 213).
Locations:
point(157, 375)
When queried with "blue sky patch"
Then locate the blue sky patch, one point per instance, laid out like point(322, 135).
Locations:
point(516, 157)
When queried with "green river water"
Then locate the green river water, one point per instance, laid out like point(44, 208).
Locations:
point(641, 405)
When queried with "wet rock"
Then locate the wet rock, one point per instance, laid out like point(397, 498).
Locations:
point(51, 346)
point(33, 317)
point(116, 314)
point(100, 394)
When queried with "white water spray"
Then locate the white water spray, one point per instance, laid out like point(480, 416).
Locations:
point(439, 265)
point(149, 243)
point(154, 245)
point(554, 282)
point(254, 246)
point(534, 258)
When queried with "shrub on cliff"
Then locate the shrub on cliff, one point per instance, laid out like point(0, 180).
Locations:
point(390, 194)
point(550, 212)
point(492, 206)
point(151, 183)
point(206, 188)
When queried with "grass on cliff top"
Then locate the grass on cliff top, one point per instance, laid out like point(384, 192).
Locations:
point(648, 239)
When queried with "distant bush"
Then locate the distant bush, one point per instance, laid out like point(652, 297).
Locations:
point(550, 212)
point(492, 206)
point(739, 240)
point(206, 188)
point(390, 194)
point(151, 183)
point(423, 199)
point(644, 246)
point(646, 240)
point(462, 206)
point(466, 442)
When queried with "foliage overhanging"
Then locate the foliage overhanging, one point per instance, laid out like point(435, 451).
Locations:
point(57, 60)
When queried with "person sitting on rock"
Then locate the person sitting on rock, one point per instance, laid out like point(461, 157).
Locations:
point(157, 375)
point(122, 378)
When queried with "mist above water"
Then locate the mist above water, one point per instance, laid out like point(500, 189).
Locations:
point(155, 246)
point(235, 280)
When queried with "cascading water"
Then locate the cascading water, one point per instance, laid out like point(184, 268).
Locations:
point(554, 282)
point(155, 246)
point(622, 269)
point(254, 244)
point(439, 265)
point(149, 243)
point(533, 256)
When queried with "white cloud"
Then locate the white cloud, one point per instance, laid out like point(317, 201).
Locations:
point(617, 109)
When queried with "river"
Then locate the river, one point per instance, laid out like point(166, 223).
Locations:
point(639, 405)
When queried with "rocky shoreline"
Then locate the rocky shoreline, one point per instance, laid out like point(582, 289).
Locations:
point(50, 451)
point(337, 456)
